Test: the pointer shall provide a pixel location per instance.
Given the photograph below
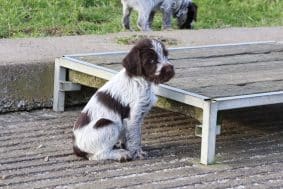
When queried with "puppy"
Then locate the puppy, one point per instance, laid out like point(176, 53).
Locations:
point(184, 10)
point(116, 111)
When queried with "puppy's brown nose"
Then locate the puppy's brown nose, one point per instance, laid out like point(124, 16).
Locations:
point(169, 69)
point(167, 72)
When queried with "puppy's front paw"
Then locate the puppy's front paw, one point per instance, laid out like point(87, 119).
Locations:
point(124, 156)
point(139, 154)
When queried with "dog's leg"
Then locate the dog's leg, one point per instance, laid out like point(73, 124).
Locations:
point(143, 20)
point(133, 137)
point(151, 17)
point(126, 16)
point(166, 16)
point(121, 144)
point(166, 9)
point(108, 139)
point(99, 138)
point(108, 148)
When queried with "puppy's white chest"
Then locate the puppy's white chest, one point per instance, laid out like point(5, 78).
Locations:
point(147, 100)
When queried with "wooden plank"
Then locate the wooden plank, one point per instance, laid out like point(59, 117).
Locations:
point(240, 89)
point(183, 64)
point(219, 71)
point(108, 60)
point(244, 74)
point(214, 67)
point(226, 51)
point(215, 71)
point(103, 59)
point(187, 83)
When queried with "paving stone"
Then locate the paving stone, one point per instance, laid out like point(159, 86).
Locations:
point(36, 152)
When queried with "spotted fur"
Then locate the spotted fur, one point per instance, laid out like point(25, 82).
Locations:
point(185, 11)
point(116, 111)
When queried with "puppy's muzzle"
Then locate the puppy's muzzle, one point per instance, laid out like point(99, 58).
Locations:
point(167, 72)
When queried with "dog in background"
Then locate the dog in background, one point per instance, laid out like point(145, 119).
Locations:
point(184, 10)
point(116, 111)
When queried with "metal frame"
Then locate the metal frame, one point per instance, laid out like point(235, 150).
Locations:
point(210, 107)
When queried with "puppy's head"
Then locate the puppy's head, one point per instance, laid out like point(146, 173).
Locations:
point(149, 59)
point(187, 16)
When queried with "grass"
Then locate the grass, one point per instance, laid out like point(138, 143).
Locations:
point(37, 18)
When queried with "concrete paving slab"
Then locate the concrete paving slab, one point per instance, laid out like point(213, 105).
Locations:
point(29, 50)
point(36, 152)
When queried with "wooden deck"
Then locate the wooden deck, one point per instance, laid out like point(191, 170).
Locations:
point(212, 79)
point(219, 72)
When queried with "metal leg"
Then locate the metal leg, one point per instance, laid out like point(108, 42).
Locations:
point(209, 131)
point(58, 94)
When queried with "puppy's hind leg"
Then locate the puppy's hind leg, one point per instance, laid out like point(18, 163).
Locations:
point(108, 134)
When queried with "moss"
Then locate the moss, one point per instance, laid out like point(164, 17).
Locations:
point(179, 107)
point(84, 79)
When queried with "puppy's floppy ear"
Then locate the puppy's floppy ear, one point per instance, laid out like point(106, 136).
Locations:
point(132, 62)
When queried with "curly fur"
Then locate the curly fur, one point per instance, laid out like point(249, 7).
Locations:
point(116, 111)
point(185, 11)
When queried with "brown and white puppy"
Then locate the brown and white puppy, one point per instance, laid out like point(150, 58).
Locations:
point(185, 11)
point(116, 111)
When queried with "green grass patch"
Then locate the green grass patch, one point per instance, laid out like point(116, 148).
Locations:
point(239, 13)
point(30, 18)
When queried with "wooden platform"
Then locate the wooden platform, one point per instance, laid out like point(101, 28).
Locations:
point(212, 78)
point(219, 72)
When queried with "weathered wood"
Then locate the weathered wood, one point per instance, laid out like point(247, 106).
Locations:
point(226, 51)
point(208, 78)
point(229, 69)
point(237, 90)
point(103, 59)
point(238, 80)
point(248, 59)
point(218, 72)
point(108, 60)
